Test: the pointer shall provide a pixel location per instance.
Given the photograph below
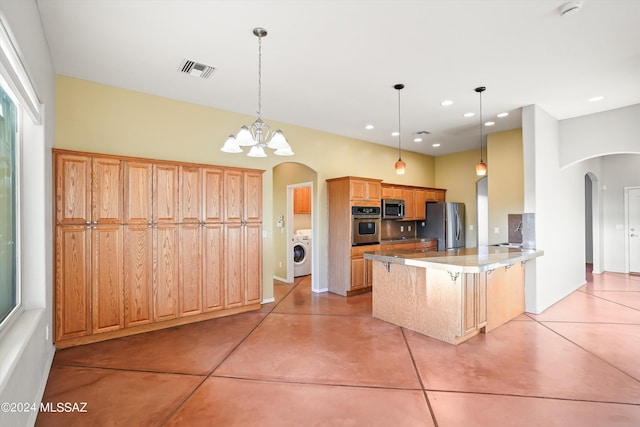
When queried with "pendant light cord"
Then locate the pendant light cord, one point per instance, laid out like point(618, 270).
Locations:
point(260, 76)
point(481, 136)
point(399, 87)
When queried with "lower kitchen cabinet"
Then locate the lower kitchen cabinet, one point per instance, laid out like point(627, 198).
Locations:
point(361, 269)
point(243, 264)
point(474, 302)
point(505, 290)
point(190, 280)
point(213, 267)
point(107, 280)
point(138, 275)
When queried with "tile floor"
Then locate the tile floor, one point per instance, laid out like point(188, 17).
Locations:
point(322, 360)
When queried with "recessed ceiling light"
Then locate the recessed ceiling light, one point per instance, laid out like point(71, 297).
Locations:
point(417, 139)
point(469, 114)
point(596, 98)
point(446, 102)
point(503, 115)
point(435, 145)
point(395, 133)
point(490, 123)
point(368, 127)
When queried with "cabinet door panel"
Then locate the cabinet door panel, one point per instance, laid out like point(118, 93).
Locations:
point(233, 274)
point(138, 275)
point(253, 263)
point(73, 285)
point(107, 188)
point(252, 196)
point(420, 204)
point(73, 189)
point(213, 195)
point(165, 193)
point(138, 192)
point(233, 196)
point(165, 283)
point(107, 278)
point(190, 194)
point(190, 287)
point(357, 273)
point(213, 267)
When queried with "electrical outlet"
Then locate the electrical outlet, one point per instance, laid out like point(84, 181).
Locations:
point(280, 264)
point(408, 228)
point(401, 228)
point(470, 227)
point(46, 332)
point(496, 230)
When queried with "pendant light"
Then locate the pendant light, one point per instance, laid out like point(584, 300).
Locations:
point(400, 165)
point(258, 135)
point(481, 166)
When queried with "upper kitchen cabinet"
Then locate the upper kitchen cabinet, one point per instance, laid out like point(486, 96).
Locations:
point(151, 193)
point(365, 190)
point(302, 200)
point(201, 194)
point(392, 192)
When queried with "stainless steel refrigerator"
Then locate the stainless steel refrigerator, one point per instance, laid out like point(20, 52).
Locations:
point(445, 222)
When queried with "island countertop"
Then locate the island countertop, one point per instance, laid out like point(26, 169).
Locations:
point(464, 260)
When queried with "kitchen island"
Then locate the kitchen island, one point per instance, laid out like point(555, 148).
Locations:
point(450, 295)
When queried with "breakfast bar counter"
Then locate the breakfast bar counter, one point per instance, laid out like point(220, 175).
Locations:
point(450, 295)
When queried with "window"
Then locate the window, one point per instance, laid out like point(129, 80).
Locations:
point(9, 283)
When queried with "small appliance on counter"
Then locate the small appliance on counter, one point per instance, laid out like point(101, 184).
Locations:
point(393, 209)
point(445, 222)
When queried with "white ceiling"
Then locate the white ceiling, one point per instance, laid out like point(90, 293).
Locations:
point(331, 65)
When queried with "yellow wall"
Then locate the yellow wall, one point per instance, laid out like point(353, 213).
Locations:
point(103, 119)
point(456, 173)
point(506, 181)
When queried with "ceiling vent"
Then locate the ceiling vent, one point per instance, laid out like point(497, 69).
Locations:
point(196, 69)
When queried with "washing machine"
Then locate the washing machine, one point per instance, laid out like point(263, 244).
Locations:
point(301, 253)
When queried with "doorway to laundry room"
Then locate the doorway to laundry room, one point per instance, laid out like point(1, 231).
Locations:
point(294, 189)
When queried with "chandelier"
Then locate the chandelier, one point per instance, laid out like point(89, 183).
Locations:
point(258, 135)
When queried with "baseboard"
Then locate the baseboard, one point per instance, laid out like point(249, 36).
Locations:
point(43, 381)
point(268, 300)
point(280, 279)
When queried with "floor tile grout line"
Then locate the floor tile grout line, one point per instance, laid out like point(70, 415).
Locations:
point(206, 377)
point(417, 371)
point(295, 285)
point(323, 384)
point(525, 396)
point(182, 402)
point(614, 302)
point(588, 352)
point(112, 368)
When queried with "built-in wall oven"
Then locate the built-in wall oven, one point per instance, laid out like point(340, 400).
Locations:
point(366, 225)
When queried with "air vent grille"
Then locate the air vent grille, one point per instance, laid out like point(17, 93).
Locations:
point(196, 69)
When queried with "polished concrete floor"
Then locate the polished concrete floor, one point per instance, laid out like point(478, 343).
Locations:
point(322, 360)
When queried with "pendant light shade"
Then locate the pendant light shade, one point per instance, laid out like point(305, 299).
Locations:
point(258, 135)
point(400, 165)
point(481, 166)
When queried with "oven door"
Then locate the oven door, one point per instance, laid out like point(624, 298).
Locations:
point(366, 231)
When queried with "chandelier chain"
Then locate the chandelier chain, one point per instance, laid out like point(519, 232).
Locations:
point(260, 77)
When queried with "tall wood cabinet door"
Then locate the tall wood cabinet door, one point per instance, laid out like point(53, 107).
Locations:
point(213, 267)
point(107, 278)
point(107, 191)
point(409, 196)
point(358, 273)
point(190, 284)
point(165, 269)
point(253, 263)
point(73, 189)
point(73, 283)
point(190, 194)
point(213, 197)
point(233, 268)
point(421, 204)
point(138, 275)
point(138, 192)
point(253, 196)
point(166, 179)
point(233, 197)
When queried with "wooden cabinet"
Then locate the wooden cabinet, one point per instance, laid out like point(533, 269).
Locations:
point(474, 303)
point(505, 294)
point(365, 190)
point(89, 238)
point(302, 200)
point(361, 269)
point(142, 245)
point(347, 273)
point(392, 192)
point(409, 197)
point(420, 204)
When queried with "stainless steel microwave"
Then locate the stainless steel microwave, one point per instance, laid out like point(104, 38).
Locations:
point(393, 209)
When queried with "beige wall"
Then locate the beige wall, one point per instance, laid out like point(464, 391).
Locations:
point(98, 118)
point(506, 181)
point(456, 173)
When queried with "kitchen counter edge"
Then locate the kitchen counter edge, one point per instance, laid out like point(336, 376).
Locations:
point(467, 260)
